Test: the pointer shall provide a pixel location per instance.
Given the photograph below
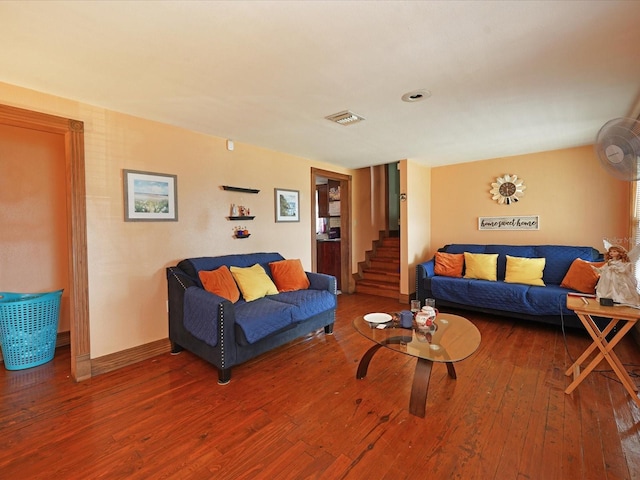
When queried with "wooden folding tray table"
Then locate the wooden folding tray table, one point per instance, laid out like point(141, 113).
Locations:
point(624, 317)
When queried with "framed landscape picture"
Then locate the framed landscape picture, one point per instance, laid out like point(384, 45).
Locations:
point(150, 197)
point(287, 205)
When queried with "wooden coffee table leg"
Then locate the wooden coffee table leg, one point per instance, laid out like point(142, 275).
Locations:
point(451, 370)
point(363, 366)
point(420, 387)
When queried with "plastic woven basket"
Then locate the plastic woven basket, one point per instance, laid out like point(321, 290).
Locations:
point(28, 328)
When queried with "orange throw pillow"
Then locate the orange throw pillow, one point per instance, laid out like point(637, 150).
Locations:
point(581, 276)
point(449, 264)
point(221, 282)
point(288, 275)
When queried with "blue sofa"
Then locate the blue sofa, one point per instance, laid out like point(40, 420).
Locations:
point(227, 334)
point(545, 304)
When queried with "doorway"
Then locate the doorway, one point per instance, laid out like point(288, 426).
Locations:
point(72, 132)
point(338, 223)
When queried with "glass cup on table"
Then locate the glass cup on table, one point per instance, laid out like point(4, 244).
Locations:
point(415, 307)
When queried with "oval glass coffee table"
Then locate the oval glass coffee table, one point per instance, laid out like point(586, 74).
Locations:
point(452, 339)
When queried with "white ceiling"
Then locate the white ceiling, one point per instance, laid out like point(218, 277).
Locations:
point(507, 77)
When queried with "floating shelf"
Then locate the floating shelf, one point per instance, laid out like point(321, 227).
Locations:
point(241, 218)
point(243, 236)
point(240, 189)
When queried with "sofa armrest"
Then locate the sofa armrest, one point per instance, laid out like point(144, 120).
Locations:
point(209, 317)
point(424, 271)
point(187, 299)
point(321, 281)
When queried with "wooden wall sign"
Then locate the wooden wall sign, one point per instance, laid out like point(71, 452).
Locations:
point(530, 222)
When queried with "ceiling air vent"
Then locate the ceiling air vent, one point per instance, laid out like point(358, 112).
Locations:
point(345, 118)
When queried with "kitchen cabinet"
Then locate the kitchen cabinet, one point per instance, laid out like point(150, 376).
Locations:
point(329, 199)
point(323, 200)
point(329, 259)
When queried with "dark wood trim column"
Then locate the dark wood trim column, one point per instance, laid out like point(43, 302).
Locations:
point(73, 132)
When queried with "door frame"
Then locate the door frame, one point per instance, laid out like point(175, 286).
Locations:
point(73, 133)
point(346, 280)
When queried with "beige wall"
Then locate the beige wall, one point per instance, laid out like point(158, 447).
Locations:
point(577, 201)
point(127, 260)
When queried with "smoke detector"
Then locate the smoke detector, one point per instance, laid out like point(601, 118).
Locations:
point(345, 118)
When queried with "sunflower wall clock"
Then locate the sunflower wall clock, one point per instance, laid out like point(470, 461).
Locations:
point(507, 189)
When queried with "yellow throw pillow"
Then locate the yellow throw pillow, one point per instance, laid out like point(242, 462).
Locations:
point(254, 283)
point(524, 270)
point(483, 266)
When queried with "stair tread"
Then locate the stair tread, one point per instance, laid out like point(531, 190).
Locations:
point(382, 251)
point(377, 271)
point(378, 292)
point(378, 283)
point(386, 266)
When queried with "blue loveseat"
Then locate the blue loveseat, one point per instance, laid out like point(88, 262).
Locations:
point(227, 334)
point(540, 303)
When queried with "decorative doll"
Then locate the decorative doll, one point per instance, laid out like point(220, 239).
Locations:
point(617, 278)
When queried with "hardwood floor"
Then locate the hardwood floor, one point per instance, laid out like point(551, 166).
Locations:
point(299, 412)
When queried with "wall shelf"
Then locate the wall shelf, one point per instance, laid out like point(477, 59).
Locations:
point(239, 218)
point(240, 189)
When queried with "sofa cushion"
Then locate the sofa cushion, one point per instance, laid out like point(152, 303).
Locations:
point(506, 297)
point(450, 288)
point(221, 282)
point(262, 317)
point(289, 275)
point(548, 300)
point(253, 282)
point(513, 250)
point(479, 293)
point(581, 277)
point(449, 264)
point(560, 258)
point(481, 266)
point(524, 270)
point(498, 295)
point(306, 303)
point(464, 247)
point(191, 266)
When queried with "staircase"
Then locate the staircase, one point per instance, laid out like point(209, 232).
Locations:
point(379, 274)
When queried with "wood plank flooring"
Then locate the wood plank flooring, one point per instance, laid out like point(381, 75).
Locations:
point(299, 413)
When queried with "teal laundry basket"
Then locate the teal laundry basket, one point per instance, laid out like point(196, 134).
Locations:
point(28, 328)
